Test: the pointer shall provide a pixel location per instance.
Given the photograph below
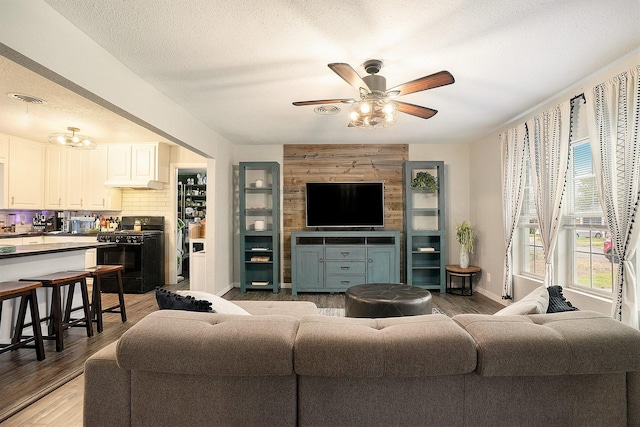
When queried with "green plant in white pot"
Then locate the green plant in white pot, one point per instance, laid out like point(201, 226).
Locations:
point(465, 236)
point(424, 181)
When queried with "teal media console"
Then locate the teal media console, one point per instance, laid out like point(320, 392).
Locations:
point(333, 261)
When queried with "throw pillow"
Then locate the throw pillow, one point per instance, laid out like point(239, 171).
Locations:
point(536, 302)
point(220, 305)
point(168, 300)
point(557, 301)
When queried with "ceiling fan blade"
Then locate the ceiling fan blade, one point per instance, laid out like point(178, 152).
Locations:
point(441, 78)
point(416, 110)
point(349, 75)
point(325, 101)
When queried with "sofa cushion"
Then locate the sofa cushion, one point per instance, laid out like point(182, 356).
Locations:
point(219, 304)
point(297, 309)
point(573, 342)
point(412, 346)
point(515, 345)
point(534, 303)
point(557, 302)
point(168, 300)
point(598, 343)
point(186, 342)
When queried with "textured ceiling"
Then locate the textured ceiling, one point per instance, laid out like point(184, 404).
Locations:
point(237, 65)
point(62, 109)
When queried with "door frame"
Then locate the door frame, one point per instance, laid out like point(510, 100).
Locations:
point(172, 221)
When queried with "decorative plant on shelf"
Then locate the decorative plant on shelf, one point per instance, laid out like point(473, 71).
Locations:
point(425, 181)
point(465, 236)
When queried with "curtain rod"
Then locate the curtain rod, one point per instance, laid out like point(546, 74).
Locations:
point(584, 100)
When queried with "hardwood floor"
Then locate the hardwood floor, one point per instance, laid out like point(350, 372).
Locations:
point(450, 304)
point(49, 393)
point(24, 380)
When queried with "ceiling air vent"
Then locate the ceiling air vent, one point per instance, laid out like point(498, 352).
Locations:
point(26, 98)
point(327, 110)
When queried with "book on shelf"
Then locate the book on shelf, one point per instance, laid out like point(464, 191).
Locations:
point(426, 249)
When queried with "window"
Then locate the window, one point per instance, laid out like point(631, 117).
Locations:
point(531, 252)
point(592, 264)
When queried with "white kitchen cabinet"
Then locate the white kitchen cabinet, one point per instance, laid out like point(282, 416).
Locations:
point(96, 195)
point(32, 240)
point(4, 171)
point(135, 164)
point(143, 163)
point(29, 240)
point(75, 180)
point(17, 241)
point(119, 162)
point(26, 174)
point(4, 146)
point(54, 182)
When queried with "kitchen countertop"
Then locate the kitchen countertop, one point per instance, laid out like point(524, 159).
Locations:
point(45, 233)
point(49, 248)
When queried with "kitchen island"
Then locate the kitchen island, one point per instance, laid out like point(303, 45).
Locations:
point(37, 259)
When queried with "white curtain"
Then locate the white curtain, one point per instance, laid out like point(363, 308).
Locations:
point(513, 162)
point(613, 113)
point(548, 136)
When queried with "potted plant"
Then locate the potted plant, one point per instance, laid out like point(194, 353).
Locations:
point(424, 181)
point(465, 236)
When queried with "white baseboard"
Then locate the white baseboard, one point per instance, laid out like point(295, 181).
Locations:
point(490, 295)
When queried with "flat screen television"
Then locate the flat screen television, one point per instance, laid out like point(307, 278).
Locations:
point(345, 204)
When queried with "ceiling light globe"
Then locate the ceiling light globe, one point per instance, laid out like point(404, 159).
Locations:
point(365, 107)
point(60, 139)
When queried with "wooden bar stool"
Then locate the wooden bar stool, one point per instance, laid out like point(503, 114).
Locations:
point(98, 273)
point(61, 321)
point(26, 291)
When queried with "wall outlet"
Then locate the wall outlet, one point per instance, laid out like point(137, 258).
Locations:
point(488, 277)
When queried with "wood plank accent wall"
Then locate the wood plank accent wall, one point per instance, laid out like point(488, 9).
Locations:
point(339, 163)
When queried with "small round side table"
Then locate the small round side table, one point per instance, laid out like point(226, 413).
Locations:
point(464, 273)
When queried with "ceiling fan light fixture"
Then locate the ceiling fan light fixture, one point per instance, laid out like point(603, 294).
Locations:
point(377, 109)
point(376, 114)
point(72, 140)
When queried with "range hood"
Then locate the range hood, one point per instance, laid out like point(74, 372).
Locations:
point(136, 185)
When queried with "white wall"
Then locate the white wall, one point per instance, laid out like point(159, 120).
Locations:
point(486, 199)
point(485, 203)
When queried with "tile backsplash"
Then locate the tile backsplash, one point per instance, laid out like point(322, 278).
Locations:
point(134, 202)
point(146, 202)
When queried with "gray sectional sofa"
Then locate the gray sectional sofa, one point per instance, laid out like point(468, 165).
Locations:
point(179, 368)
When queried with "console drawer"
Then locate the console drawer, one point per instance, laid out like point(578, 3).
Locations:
point(343, 282)
point(345, 267)
point(345, 252)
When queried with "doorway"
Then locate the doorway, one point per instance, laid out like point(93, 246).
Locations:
point(191, 213)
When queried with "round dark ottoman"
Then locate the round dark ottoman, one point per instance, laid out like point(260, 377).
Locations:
point(386, 300)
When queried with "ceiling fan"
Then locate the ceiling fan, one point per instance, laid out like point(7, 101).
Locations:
point(377, 106)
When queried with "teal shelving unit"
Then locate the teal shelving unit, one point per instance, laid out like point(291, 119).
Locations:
point(259, 193)
point(424, 226)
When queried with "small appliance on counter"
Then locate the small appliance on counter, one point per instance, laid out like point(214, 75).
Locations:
point(39, 223)
point(82, 224)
